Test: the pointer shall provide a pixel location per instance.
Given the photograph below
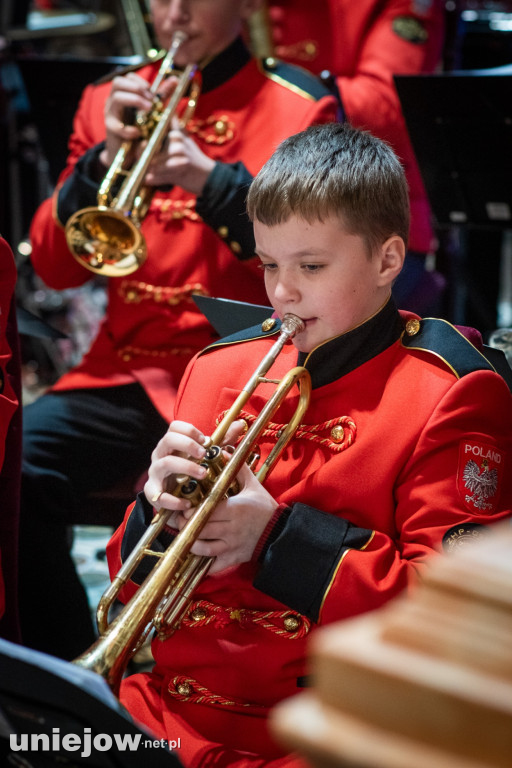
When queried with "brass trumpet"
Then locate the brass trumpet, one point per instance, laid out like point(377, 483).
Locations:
point(106, 238)
point(163, 598)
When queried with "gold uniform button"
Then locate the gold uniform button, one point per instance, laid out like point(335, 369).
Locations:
point(184, 689)
point(220, 127)
point(412, 327)
point(235, 247)
point(337, 434)
point(198, 614)
point(223, 231)
point(291, 623)
point(268, 324)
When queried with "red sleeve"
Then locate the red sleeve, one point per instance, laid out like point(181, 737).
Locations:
point(51, 257)
point(369, 95)
point(434, 496)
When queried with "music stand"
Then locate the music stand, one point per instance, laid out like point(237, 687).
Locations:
point(54, 701)
point(54, 85)
point(228, 316)
point(460, 126)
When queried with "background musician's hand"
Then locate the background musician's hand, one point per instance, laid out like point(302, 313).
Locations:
point(180, 162)
point(129, 94)
point(236, 525)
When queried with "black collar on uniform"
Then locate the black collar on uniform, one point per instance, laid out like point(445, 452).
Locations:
point(224, 66)
point(337, 357)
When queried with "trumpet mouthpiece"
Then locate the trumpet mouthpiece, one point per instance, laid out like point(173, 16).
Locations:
point(179, 37)
point(292, 324)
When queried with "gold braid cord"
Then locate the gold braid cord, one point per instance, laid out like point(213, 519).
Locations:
point(341, 431)
point(170, 209)
point(216, 129)
point(129, 352)
point(135, 291)
point(286, 624)
point(183, 688)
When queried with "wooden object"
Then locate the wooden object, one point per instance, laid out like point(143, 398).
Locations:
point(424, 682)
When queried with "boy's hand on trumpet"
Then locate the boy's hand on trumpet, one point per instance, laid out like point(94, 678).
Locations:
point(177, 453)
point(129, 94)
point(237, 523)
point(180, 162)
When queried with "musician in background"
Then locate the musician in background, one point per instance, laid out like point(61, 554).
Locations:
point(404, 451)
point(98, 424)
point(363, 44)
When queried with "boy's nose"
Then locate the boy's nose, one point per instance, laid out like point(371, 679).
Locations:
point(285, 289)
point(178, 11)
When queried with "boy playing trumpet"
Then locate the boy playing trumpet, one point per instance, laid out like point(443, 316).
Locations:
point(404, 451)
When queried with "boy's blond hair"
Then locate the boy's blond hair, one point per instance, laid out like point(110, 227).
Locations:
point(334, 170)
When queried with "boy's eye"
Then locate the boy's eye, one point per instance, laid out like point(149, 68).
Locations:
point(312, 267)
point(267, 266)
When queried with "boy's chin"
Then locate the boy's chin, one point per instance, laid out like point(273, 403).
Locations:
point(302, 347)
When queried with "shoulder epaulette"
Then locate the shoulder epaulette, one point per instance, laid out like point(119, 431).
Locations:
point(294, 78)
point(267, 328)
point(440, 338)
point(120, 71)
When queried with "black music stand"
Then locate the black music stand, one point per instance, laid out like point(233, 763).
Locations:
point(460, 125)
point(54, 85)
point(228, 316)
point(50, 699)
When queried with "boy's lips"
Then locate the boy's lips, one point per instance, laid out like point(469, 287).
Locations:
point(306, 320)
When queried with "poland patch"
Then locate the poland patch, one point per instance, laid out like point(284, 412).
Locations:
point(480, 473)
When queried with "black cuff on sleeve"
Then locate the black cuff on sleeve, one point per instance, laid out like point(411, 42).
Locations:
point(299, 564)
point(80, 190)
point(222, 207)
point(140, 518)
point(276, 531)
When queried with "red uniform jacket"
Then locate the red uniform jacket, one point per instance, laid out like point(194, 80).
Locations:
point(152, 327)
point(422, 461)
point(363, 44)
point(10, 437)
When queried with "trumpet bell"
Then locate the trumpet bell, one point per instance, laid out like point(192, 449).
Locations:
point(106, 241)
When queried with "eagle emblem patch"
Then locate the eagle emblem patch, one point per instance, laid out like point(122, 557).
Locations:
point(480, 472)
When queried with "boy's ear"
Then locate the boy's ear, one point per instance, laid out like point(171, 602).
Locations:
point(392, 255)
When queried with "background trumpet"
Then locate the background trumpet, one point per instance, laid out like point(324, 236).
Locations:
point(106, 238)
